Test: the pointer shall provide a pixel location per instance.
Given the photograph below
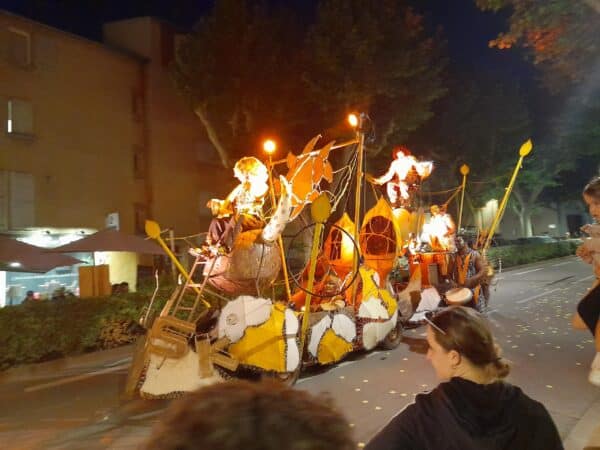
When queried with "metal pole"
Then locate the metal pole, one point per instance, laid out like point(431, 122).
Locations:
point(523, 152)
point(172, 247)
point(286, 280)
point(464, 170)
point(360, 137)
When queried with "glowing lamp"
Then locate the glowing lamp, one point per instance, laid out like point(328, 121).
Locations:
point(14, 264)
point(269, 146)
point(353, 120)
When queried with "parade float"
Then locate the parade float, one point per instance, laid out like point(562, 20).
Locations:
point(252, 302)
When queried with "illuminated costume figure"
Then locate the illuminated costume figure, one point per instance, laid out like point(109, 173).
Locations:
point(242, 209)
point(403, 176)
point(440, 231)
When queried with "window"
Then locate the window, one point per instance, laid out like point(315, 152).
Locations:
point(19, 47)
point(17, 200)
point(20, 118)
point(139, 162)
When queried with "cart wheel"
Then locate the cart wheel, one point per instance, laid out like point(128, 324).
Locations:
point(287, 378)
point(392, 340)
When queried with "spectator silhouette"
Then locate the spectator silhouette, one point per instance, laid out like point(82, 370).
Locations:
point(251, 416)
point(29, 297)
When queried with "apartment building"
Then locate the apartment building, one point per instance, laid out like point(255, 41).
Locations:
point(95, 129)
point(95, 133)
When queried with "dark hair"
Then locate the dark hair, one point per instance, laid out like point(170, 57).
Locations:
point(593, 188)
point(253, 416)
point(465, 331)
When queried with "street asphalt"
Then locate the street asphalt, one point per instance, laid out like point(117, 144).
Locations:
point(76, 403)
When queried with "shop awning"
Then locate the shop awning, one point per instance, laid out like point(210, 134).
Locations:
point(16, 256)
point(110, 240)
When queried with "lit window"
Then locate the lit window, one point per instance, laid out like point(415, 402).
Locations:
point(19, 47)
point(20, 117)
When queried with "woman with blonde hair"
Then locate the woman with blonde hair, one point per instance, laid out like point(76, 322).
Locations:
point(472, 409)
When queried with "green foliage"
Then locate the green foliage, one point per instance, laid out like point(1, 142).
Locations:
point(241, 71)
point(376, 57)
point(482, 122)
point(46, 330)
point(561, 36)
point(514, 255)
point(250, 71)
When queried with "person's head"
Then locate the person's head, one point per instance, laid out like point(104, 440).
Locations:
point(29, 294)
point(435, 210)
point(460, 243)
point(400, 151)
point(591, 196)
point(259, 416)
point(250, 169)
point(460, 341)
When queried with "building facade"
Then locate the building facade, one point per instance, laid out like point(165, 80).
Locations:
point(94, 134)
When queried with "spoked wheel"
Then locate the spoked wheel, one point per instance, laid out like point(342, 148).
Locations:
point(392, 340)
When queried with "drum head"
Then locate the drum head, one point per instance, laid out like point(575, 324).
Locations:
point(459, 296)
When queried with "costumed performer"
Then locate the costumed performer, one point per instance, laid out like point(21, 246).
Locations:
point(404, 173)
point(242, 209)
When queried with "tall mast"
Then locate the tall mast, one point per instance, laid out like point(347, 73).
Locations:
point(360, 137)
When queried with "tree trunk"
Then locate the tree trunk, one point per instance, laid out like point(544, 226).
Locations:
point(525, 220)
point(213, 137)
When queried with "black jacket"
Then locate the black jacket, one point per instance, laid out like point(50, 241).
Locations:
point(462, 415)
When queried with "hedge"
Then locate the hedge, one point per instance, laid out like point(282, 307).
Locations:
point(515, 255)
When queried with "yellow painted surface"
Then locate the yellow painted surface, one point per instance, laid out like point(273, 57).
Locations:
point(263, 345)
point(332, 348)
point(370, 289)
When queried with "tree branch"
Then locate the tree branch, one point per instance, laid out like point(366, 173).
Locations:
point(202, 114)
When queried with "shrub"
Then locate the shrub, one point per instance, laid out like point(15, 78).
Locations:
point(514, 255)
point(45, 330)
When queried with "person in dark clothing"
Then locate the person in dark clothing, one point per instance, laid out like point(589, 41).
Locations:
point(588, 309)
point(472, 409)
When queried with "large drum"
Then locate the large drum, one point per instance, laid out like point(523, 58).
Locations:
point(459, 296)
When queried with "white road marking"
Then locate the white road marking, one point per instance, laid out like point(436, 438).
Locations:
point(83, 376)
point(528, 271)
point(562, 263)
point(537, 296)
point(586, 278)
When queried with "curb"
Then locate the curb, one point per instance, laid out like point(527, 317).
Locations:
point(586, 432)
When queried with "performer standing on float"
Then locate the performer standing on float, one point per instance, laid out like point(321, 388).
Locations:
point(404, 173)
point(440, 232)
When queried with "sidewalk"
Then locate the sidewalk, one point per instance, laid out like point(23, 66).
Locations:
point(586, 432)
point(71, 364)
